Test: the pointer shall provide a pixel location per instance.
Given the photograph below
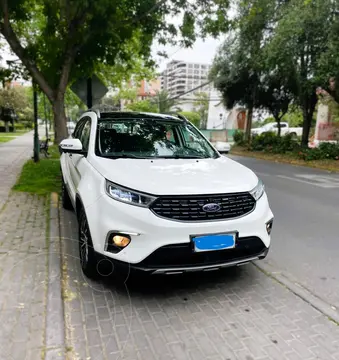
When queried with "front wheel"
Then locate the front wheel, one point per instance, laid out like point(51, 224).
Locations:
point(87, 256)
point(66, 200)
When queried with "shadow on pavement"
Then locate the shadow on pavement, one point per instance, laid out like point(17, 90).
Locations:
point(164, 285)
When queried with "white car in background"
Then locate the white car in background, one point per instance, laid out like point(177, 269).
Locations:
point(223, 147)
point(273, 127)
point(70, 127)
point(152, 194)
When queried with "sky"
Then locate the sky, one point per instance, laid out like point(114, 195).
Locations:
point(203, 51)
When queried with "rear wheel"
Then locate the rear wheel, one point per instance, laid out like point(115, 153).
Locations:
point(66, 200)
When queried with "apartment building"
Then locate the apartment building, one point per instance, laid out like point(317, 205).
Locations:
point(181, 76)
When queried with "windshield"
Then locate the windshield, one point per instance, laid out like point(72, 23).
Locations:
point(139, 138)
point(267, 126)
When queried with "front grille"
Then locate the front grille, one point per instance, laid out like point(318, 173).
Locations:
point(181, 255)
point(190, 208)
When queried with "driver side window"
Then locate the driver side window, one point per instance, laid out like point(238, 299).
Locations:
point(191, 140)
point(85, 133)
point(78, 128)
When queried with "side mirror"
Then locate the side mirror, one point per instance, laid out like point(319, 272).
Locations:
point(72, 146)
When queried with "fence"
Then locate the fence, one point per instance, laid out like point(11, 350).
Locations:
point(219, 135)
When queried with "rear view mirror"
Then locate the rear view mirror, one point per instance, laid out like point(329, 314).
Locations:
point(72, 146)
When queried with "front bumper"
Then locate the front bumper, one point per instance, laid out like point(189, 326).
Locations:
point(153, 268)
point(180, 258)
point(151, 235)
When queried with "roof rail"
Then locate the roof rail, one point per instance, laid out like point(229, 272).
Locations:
point(173, 113)
point(182, 117)
point(97, 111)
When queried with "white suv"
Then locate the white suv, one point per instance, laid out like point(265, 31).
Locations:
point(150, 192)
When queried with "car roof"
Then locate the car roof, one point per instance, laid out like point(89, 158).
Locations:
point(137, 115)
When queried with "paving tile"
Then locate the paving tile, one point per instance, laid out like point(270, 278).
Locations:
point(230, 315)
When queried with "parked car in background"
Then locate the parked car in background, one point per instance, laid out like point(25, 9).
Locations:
point(152, 194)
point(273, 127)
point(223, 147)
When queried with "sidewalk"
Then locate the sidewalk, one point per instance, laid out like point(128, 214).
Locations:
point(13, 155)
point(23, 259)
point(236, 314)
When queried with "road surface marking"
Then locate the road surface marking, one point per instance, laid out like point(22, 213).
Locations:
point(325, 182)
point(261, 174)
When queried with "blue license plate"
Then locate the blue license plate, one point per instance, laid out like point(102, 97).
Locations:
point(213, 242)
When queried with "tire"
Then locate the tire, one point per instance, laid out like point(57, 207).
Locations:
point(87, 256)
point(294, 136)
point(66, 200)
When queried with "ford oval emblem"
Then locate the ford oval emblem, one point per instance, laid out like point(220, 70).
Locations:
point(212, 207)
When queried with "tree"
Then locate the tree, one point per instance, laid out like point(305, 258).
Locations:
point(14, 98)
point(276, 56)
point(301, 36)
point(60, 41)
point(124, 94)
point(164, 101)
point(294, 117)
point(5, 75)
point(143, 106)
point(274, 93)
point(192, 116)
point(14, 101)
point(201, 107)
point(237, 68)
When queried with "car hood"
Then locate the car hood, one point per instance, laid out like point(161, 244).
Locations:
point(177, 176)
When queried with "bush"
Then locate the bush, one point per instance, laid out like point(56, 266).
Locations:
point(19, 126)
point(325, 151)
point(192, 116)
point(270, 142)
point(28, 124)
point(239, 137)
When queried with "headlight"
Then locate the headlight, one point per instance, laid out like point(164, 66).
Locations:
point(258, 191)
point(127, 196)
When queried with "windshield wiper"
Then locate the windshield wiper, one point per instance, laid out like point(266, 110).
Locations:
point(182, 157)
point(123, 156)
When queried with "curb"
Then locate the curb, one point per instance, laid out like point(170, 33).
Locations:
point(55, 322)
point(297, 289)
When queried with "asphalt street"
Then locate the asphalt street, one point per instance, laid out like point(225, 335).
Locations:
point(305, 238)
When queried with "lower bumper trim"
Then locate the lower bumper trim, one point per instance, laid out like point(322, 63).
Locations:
point(172, 271)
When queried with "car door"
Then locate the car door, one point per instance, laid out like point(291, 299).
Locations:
point(76, 159)
point(69, 163)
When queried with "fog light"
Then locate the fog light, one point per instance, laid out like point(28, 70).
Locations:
point(269, 227)
point(121, 241)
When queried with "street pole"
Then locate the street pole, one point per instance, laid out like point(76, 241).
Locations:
point(89, 93)
point(50, 118)
point(36, 134)
point(45, 111)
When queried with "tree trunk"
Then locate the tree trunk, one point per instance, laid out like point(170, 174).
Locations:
point(249, 124)
point(309, 105)
point(279, 126)
point(6, 126)
point(307, 117)
point(60, 128)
